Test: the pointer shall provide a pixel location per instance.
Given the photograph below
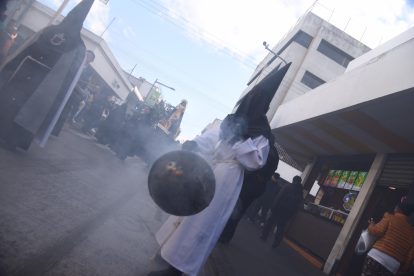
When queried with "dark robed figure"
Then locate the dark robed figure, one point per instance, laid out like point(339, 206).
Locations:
point(37, 81)
point(241, 143)
point(254, 106)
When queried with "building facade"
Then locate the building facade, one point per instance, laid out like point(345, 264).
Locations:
point(319, 52)
point(355, 137)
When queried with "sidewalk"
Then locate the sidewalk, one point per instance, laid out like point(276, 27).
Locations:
point(247, 255)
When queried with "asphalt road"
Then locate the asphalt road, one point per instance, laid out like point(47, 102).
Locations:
point(74, 209)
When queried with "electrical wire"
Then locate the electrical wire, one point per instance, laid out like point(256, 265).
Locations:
point(217, 105)
point(136, 45)
point(187, 22)
point(183, 24)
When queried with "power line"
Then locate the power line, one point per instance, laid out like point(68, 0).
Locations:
point(136, 45)
point(218, 105)
point(153, 68)
point(194, 30)
point(187, 22)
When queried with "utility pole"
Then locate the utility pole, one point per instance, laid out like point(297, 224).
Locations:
point(266, 45)
point(149, 95)
point(130, 73)
point(107, 27)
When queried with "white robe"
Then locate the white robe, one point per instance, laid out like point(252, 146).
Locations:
point(186, 242)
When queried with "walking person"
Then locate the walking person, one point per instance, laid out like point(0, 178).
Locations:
point(287, 203)
point(393, 252)
point(93, 115)
point(265, 201)
point(239, 143)
point(253, 187)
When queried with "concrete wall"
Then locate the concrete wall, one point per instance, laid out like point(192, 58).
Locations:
point(385, 74)
point(382, 49)
point(307, 59)
point(105, 64)
point(289, 86)
point(145, 88)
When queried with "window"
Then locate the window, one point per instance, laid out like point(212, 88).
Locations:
point(334, 53)
point(300, 37)
point(311, 80)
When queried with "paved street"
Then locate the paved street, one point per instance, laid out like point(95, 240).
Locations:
point(73, 208)
point(247, 255)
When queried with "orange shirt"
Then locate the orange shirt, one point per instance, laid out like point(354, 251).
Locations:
point(396, 238)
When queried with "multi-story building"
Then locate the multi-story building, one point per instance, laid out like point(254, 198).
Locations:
point(319, 52)
point(355, 138)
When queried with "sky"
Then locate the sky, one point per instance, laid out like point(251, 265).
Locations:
point(207, 49)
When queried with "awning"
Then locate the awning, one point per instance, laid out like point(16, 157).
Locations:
point(367, 110)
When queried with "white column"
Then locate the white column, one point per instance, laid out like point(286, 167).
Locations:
point(307, 171)
point(356, 212)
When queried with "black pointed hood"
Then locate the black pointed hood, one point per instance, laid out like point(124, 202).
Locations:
point(255, 104)
point(75, 18)
point(67, 34)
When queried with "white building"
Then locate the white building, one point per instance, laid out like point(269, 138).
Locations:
point(362, 123)
point(36, 16)
point(143, 85)
point(319, 52)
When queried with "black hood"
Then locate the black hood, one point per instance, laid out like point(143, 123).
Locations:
point(75, 18)
point(255, 104)
point(67, 34)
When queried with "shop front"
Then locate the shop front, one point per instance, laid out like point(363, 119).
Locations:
point(330, 191)
point(355, 138)
point(395, 181)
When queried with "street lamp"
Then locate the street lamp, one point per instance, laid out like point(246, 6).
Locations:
point(160, 83)
point(266, 45)
point(150, 96)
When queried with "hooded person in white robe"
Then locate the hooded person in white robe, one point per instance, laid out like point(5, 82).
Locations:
point(239, 143)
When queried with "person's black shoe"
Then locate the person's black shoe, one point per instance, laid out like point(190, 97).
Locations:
point(263, 237)
point(170, 271)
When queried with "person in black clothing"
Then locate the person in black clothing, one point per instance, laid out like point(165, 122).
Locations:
point(94, 114)
point(110, 129)
point(253, 187)
point(264, 202)
point(287, 203)
point(267, 198)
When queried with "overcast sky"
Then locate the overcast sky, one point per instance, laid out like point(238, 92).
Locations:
point(207, 49)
